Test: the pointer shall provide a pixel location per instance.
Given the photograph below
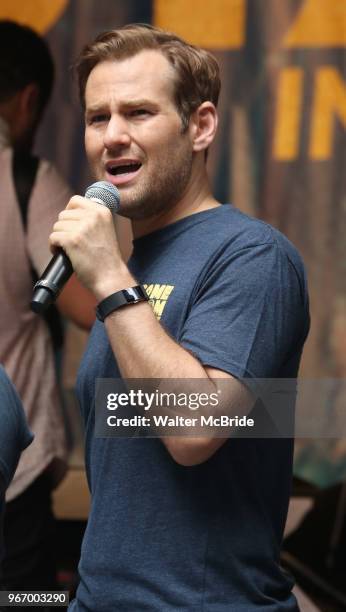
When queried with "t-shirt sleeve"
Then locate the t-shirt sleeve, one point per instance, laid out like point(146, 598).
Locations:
point(15, 435)
point(247, 316)
point(49, 197)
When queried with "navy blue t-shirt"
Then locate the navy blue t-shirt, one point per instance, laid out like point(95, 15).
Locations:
point(164, 537)
point(14, 437)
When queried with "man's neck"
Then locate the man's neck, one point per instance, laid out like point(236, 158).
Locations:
point(197, 198)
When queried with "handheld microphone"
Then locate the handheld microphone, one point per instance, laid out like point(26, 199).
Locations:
point(59, 269)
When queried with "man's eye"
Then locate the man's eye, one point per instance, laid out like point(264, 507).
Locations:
point(97, 118)
point(138, 112)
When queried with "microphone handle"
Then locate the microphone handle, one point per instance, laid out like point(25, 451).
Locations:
point(52, 280)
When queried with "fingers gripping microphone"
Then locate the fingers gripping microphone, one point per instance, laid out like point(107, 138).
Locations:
point(60, 268)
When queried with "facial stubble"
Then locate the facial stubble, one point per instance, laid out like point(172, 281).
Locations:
point(159, 191)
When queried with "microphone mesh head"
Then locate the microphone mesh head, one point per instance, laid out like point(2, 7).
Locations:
point(106, 192)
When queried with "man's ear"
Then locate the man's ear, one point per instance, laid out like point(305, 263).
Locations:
point(203, 125)
point(24, 116)
point(29, 100)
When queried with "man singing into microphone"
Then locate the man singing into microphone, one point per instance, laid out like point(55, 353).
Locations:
point(178, 523)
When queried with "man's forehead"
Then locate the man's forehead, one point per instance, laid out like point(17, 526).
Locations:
point(146, 72)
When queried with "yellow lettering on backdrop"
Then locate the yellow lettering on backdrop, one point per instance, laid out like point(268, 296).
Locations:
point(289, 103)
point(217, 24)
point(329, 102)
point(38, 14)
point(320, 23)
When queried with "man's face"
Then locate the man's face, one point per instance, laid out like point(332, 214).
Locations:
point(133, 134)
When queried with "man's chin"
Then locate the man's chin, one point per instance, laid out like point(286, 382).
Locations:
point(134, 213)
point(131, 207)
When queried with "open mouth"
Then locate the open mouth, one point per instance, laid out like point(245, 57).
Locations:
point(123, 168)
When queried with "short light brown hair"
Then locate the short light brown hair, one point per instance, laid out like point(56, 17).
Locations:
point(196, 71)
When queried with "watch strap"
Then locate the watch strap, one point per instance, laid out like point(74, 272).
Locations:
point(125, 297)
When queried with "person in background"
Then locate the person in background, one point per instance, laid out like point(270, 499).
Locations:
point(32, 194)
point(15, 436)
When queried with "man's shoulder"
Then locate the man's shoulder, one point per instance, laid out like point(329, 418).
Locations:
point(245, 228)
point(50, 192)
point(48, 173)
point(234, 238)
point(240, 231)
point(47, 176)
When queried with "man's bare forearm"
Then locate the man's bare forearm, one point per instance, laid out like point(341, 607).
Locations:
point(144, 350)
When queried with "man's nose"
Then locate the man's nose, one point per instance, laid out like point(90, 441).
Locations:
point(117, 132)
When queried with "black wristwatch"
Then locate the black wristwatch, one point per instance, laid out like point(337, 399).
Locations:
point(132, 295)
